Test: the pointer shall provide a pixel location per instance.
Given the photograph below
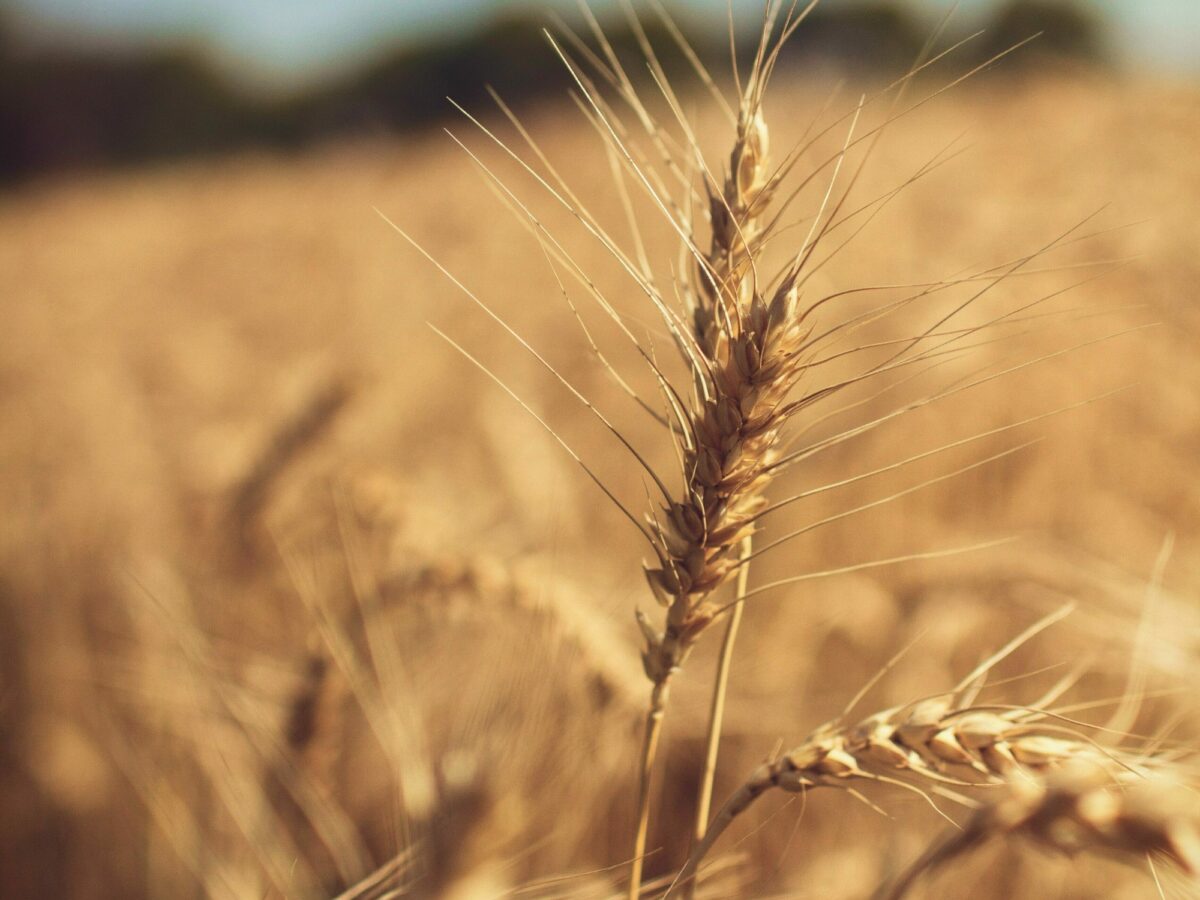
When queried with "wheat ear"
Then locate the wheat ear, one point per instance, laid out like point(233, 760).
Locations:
point(940, 744)
point(747, 347)
point(929, 745)
point(1076, 810)
point(727, 274)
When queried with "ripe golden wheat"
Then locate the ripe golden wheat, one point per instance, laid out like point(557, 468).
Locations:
point(458, 728)
point(749, 340)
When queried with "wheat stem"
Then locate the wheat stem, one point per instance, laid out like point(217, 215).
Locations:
point(653, 729)
point(717, 709)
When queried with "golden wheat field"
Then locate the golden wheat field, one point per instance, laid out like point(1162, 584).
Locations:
point(296, 601)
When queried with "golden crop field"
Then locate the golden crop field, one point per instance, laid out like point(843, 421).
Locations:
point(291, 591)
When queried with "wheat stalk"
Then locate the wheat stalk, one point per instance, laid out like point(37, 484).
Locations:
point(746, 345)
point(749, 346)
point(717, 702)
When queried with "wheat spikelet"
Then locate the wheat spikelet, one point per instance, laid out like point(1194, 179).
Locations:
point(1080, 809)
point(725, 277)
point(751, 342)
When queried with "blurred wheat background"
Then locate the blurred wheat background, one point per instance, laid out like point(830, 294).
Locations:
point(290, 591)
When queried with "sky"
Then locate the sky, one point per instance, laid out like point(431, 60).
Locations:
point(284, 42)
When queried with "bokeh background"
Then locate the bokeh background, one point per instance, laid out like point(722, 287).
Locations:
point(290, 591)
point(119, 83)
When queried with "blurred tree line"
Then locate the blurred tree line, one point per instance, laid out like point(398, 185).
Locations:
point(66, 108)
